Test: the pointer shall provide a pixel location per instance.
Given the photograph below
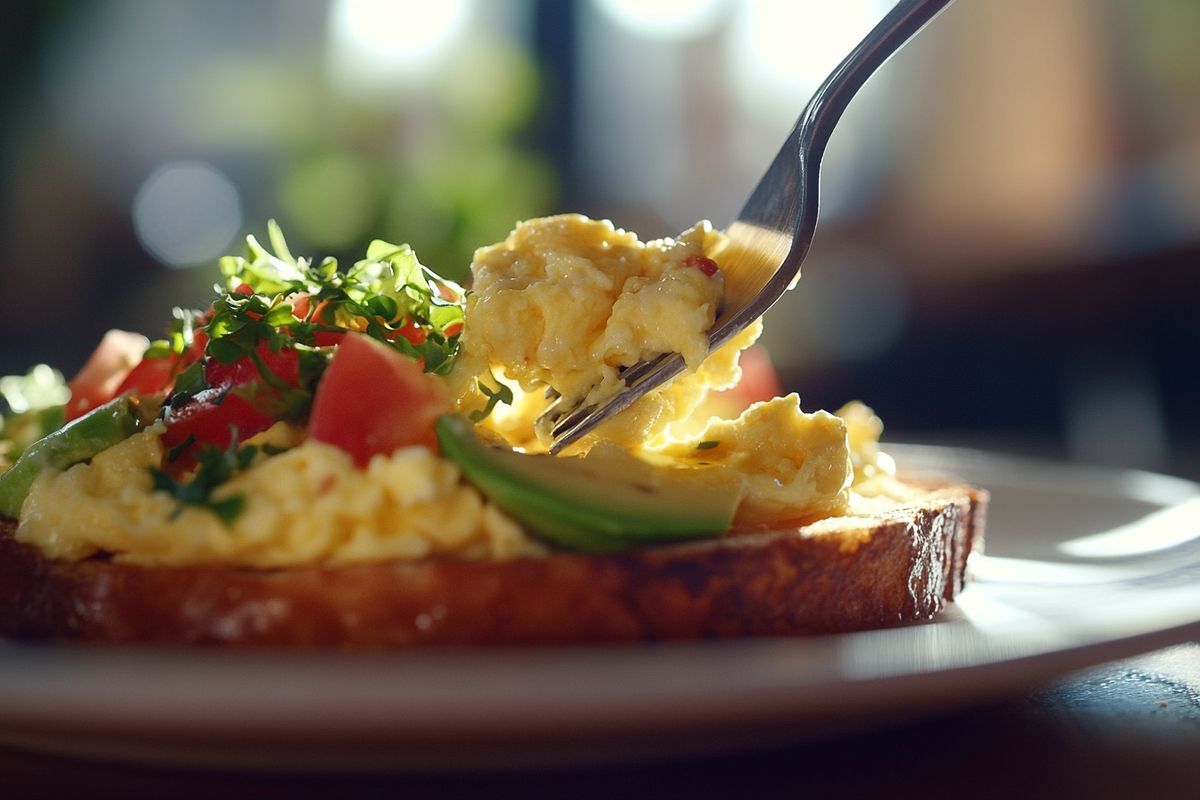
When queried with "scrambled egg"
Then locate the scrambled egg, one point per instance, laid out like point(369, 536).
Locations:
point(555, 305)
point(564, 302)
point(309, 505)
point(794, 465)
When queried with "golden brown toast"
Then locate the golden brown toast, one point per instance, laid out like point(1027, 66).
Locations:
point(835, 575)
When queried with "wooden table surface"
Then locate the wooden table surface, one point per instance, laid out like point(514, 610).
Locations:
point(1126, 729)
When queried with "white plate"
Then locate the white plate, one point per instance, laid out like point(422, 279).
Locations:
point(1084, 566)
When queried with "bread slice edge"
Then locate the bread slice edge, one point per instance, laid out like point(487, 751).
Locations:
point(841, 574)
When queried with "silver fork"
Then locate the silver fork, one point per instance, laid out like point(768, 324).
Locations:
point(771, 235)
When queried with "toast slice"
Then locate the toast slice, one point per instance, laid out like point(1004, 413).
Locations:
point(893, 566)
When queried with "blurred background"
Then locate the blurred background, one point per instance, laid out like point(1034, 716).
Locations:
point(1009, 251)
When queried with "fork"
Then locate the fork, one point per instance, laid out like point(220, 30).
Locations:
point(769, 239)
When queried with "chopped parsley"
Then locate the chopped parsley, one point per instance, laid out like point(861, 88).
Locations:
point(501, 394)
point(215, 467)
point(708, 444)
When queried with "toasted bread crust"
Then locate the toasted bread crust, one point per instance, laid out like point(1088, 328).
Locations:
point(902, 568)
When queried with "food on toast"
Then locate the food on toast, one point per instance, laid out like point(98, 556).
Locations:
point(835, 575)
point(349, 457)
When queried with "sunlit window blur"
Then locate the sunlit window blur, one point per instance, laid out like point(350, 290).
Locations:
point(1009, 250)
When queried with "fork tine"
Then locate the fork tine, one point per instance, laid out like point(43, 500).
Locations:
point(640, 379)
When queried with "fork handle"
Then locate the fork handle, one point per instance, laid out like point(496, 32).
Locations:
point(773, 208)
point(829, 102)
point(787, 199)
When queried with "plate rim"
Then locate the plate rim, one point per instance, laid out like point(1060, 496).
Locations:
point(150, 731)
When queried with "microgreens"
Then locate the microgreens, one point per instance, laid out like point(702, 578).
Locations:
point(240, 322)
point(271, 299)
point(180, 334)
point(389, 295)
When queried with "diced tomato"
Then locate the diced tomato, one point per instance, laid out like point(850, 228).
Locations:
point(328, 338)
point(157, 375)
point(238, 397)
point(221, 375)
point(374, 400)
point(151, 376)
point(303, 309)
point(410, 331)
point(284, 364)
point(98, 381)
point(302, 305)
point(705, 265)
point(210, 418)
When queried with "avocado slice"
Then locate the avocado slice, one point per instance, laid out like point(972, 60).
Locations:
point(594, 504)
point(77, 441)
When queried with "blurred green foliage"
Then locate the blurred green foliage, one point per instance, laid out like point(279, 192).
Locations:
point(436, 163)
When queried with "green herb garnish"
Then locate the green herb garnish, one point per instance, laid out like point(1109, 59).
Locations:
point(180, 335)
point(188, 383)
point(271, 301)
point(389, 296)
point(502, 394)
point(215, 467)
point(707, 445)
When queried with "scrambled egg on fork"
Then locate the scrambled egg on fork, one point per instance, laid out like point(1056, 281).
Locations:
point(565, 302)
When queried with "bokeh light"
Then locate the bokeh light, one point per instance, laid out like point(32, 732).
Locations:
point(665, 19)
point(490, 86)
point(791, 45)
point(187, 213)
point(332, 199)
point(377, 44)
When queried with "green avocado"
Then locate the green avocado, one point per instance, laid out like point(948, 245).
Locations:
point(599, 503)
point(79, 440)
